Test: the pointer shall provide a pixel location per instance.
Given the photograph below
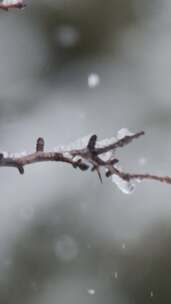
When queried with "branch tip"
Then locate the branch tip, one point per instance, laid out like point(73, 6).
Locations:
point(21, 170)
point(92, 143)
point(40, 144)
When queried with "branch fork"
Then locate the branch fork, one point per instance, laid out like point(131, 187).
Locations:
point(87, 157)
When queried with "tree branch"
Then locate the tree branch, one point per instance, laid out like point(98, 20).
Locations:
point(6, 5)
point(88, 157)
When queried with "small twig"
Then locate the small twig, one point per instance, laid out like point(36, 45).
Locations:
point(83, 158)
point(40, 144)
point(162, 179)
point(120, 143)
point(12, 4)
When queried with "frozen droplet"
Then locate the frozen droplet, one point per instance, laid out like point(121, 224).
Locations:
point(123, 132)
point(66, 248)
point(67, 36)
point(93, 80)
point(125, 186)
point(91, 292)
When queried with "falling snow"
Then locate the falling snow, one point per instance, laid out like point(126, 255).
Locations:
point(123, 246)
point(93, 80)
point(115, 275)
point(151, 294)
point(66, 248)
point(91, 292)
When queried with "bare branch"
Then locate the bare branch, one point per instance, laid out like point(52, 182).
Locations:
point(84, 158)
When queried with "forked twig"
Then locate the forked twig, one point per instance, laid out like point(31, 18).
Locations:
point(90, 156)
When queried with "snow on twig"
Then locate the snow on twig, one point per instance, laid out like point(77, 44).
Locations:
point(7, 4)
point(87, 153)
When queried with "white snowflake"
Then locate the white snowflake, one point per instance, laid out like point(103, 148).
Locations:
point(93, 80)
point(91, 292)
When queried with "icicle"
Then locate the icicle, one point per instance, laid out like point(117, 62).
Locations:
point(125, 186)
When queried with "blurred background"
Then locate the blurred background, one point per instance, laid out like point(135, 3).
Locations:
point(69, 68)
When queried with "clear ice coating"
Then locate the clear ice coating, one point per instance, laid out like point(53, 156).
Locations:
point(82, 143)
point(125, 186)
point(11, 2)
point(103, 143)
point(124, 132)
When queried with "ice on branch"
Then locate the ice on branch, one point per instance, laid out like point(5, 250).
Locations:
point(124, 132)
point(5, 154)
point(126, 187)
point(7, 4)
point(80, 143)
point(103, 143)
point(87, 153)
